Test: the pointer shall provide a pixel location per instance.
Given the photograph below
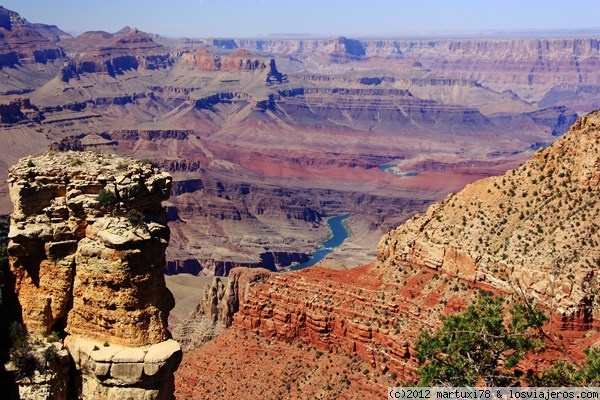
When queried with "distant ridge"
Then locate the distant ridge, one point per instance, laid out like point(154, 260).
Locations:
point(446, 34)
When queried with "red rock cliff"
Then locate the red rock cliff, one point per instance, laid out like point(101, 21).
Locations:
point(534, 228)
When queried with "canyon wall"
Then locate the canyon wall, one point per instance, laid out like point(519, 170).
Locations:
point(469, 58)
point(530, 232)
point(241, 60)
point(527, 67)
point(22, 44)
point(87, 252)
point(535, 227)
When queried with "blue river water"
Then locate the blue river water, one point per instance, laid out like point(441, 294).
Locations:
point(338, 235)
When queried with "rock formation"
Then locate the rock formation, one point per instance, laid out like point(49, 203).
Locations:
point(240, 60)
point(21, 43)
point(536, 226)
point(87, 243)
point(463, 56)
point(267, 161)
point(123, 53)
point(237, 61)
point(18, 110)
point(341, 50)
point(221, 299)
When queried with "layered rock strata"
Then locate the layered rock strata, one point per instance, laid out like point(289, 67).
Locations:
point(238, 61)
point(221, 299)
point(532, 61)
point(87, 252)
point(532, 232)
point(113, 372)
point(127, 52)
point(534, 227)
point(241, 60)
point(18, 110)
point(21, 43)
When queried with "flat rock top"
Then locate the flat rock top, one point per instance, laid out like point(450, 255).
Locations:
point(81, 166)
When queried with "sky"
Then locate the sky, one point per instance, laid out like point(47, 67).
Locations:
point(352, 18)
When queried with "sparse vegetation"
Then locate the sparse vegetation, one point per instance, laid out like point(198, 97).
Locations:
point(106, 199)
point(566, 374)
point(24, 355)
point(478, 344)
point(135, 217)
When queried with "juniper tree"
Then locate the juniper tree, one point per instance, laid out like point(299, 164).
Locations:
point(479, 345)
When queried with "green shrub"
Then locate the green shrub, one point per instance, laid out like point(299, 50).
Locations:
point(21, 353)
point(565, 374)
point(135, 217)
point(53, 337)
point(50, 354)
point(25, 361)
point(469, 346)
point(18, 335)
point(106, 199)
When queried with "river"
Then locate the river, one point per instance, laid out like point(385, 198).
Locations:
point(339, 233)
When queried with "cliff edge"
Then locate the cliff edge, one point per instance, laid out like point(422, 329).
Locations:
point(87, 251)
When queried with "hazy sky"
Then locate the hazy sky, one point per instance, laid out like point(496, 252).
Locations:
point(355, 18)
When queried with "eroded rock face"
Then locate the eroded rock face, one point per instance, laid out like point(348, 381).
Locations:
point(221, 299)
point(21, 43)
point(87, 251)
point(113, 371)
point(18, 110)
point(534, 227)
point(241, 60)
point(118, 54)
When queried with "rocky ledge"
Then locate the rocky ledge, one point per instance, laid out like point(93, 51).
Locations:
point(220, 300)
point(114, 371)
point(87, 252)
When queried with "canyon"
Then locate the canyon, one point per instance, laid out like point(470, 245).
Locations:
point(264, 141)
point(353, 331)
point(306, 124)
